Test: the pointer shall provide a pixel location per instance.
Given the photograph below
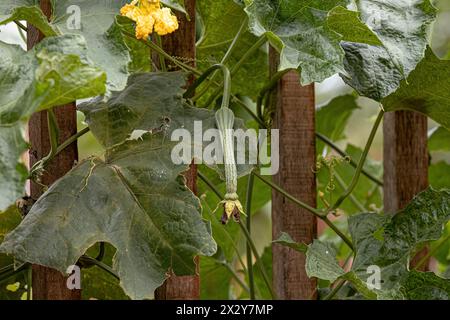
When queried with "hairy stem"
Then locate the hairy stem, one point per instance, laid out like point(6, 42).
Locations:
point(162, 60)
point(262, 40)
point(342, 153)
point(247, 236)
point(266, 90)
point(319, 214)
point(360, 166)
point(258, 260)
point(351, 197)
point(248, 209)
point(225, 58)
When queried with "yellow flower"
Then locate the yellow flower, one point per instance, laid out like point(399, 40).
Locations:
point(149, 16)
point(131, 11)
point(165, 21)
point(144, 26)
point(149, 6)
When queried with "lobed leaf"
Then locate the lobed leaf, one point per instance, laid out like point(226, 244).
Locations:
point(388, 243)
point(105, 43)
point(375, 71)
point(427, 91)
point(300, 32)
point(54, 72)
point(136, 200)
point(152, 102)
point(349, 25)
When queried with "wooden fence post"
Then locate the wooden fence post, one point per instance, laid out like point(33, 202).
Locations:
point(49, 284)
point(182, 44)
point(405, 160)
point(295, 118)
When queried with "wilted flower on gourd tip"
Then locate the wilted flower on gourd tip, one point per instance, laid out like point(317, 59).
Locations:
point(149, 16)
point(231, 204)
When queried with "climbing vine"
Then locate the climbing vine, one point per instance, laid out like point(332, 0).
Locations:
point(131, 202)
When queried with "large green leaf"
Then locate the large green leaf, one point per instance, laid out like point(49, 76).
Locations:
point(13, 174)
point(425, 286)
point(140, 53)
point(222, 20)
point(54, 72)
point(375, 71)
point(104, 41)
point(151, 102)
point(300, 32)
point(426, 91)
point(136, 200)
point(96, 21)
point(402, 27)
point(389, 242)
point(348, 24)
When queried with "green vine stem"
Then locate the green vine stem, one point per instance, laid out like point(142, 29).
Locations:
point(318, 213)
point(266, 90)
point(247, 236)
point(335, 290)
point(219, 195)
point(250, 112)
point(44, 162)
point(162, 60)
point(360, 164)
point(342, 153)
point(248, 209)
point(53, 133)
point(92, 261)
point(167, 56)
point(21, 26)
point(262, 40)
point(226, 57)
point(190, 92)
point(9, 271)
point(351, 197)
